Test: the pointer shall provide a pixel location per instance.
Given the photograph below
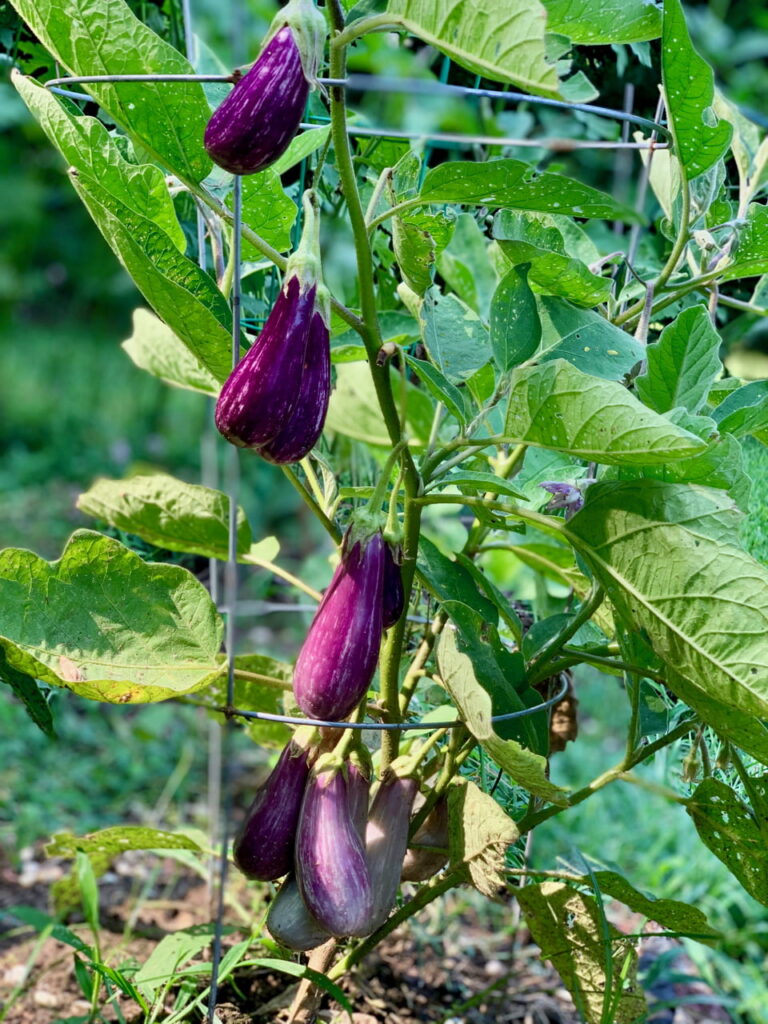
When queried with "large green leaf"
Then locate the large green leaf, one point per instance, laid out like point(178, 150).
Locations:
point(526, 768)
point(181, 294)
point(465, 265)
point(556, 406)
point(257, 688)
point(730, 830)
point(417, 239)
point(667, 556)
point(682, 364)
point(525, 239)
point(751, 256)
point(700, 138)
point(354, 408)
point(586, 339)
point(515, 322)
point(454, 335)
point(268, 210)
point(105, 624)
point(168, 513)
point(503, 44)
point(440, 387)
point(85, 144)
point(517, 185)
point(104, 37)
point(571, 931)
point(447, 580)
point(479, 834)
point(592, 22)
point(155, 348)
point(744, 411)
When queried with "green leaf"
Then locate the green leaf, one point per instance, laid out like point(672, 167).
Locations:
point(181, 294)
point(268, 210)
point(42, 922)
point(526, 768)
point(89, 890)
point(571, 931)
point(478, 483)
point(513, 52)
point(446, 580)
point(515, 323)
point(525, 239)
point(666, 555)
point(519, 186)
point(116, 840)
point(728, 827)
point(104, 37)
point(682, 364)
point(155, 348)
point(744, 411)
point(105, 624)
point(302, 971)
point(86, 145)
point(454, 336)
point(751, 255)
point(465, 265)
point(743, 730)
point(480, 833)
point(439, 387)
point(700, 138)
point(720, 465)
point(252, 695)
point(587, 340)
point(168, 956)
point(306, 142)
point(557, 406)
point(674, 915)
point(26, 689)
point(595, 22)
point(417, 239)
point(168, 512)
point(354, 408)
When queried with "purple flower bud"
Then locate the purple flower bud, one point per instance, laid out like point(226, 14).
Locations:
point(303, 428)
point(330, 861)
point(263, 847)
point(567, 496)
point(339, 655)
point(262, 391)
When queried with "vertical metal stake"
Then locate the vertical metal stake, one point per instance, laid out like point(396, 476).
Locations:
point(230, 599)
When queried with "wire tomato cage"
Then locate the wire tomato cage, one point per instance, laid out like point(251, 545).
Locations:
point(658, 138)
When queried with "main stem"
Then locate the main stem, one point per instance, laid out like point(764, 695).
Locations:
point(371, 334)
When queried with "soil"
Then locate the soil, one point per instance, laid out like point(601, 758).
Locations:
point(448, 968)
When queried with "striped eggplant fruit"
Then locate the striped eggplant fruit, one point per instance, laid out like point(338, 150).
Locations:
point(263, 848)
point(290, 923)
point(394, 596)
point(386, 840)
point(428, 847)
point(339, 655)
point(331, 869)
point(254, 125)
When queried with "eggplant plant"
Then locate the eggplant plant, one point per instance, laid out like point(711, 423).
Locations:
point(508, 409)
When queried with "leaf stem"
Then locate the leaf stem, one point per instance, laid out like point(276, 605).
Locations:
point(310, 502)
point(542, 665)
point(361, 27)
point(276, 570)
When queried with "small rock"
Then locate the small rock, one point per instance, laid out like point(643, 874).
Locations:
point(49, 1000)
point(14, 976)
point(495, 968)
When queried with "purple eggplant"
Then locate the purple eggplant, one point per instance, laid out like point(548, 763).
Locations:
point(386, 840)
point(330, 860)
point(394, 596)
point(258, 119)
point(339, 655)
point(303, 428)
point(263, 847)
point(290, 923)
point(263, 389)
point(428, 848)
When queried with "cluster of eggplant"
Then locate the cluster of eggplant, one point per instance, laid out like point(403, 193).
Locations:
point(313, 822)
point(343, 855)
point(276, 399)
